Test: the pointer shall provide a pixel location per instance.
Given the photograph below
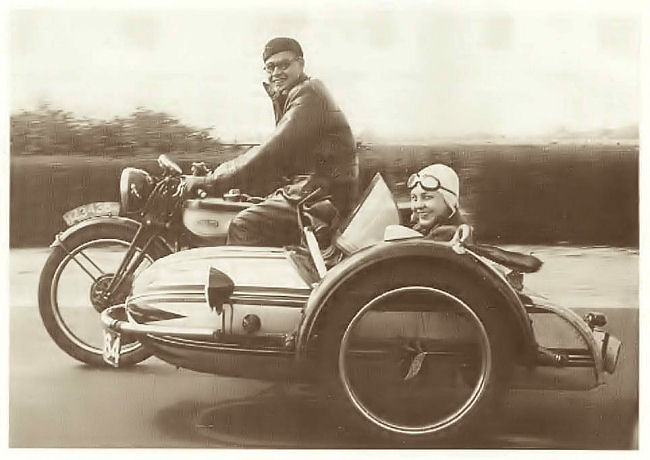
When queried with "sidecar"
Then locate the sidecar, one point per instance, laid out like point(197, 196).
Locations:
point(408, 338)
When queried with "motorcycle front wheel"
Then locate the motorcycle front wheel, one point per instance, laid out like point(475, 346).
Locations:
point(71, 286)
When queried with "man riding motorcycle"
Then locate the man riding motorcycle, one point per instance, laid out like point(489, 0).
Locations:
point(312, 146)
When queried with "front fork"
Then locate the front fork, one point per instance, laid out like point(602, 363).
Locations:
point(129, 263)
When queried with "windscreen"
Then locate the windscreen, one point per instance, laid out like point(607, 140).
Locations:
point(365, 226)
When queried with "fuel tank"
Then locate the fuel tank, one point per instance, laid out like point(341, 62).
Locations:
point(209, 218)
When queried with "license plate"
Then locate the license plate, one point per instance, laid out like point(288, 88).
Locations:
point(111, 351)
point(86, 211)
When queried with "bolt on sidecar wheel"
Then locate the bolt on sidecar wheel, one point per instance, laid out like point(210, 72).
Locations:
point(415, 360)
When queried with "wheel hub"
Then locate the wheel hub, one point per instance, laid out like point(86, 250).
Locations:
point(441, 372)
point(97, 290)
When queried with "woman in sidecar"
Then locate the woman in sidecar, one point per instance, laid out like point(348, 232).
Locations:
point(410, 338)
point(435, 194)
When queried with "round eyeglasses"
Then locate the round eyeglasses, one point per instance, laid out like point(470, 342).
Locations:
point(281, 65)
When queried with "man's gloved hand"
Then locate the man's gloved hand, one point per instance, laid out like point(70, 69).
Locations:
point(216, 181)
point(195, 183)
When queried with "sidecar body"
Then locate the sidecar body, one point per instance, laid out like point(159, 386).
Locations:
point(414, 338)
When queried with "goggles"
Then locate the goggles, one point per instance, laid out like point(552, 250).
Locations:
point(281, 65)
point(427, 182)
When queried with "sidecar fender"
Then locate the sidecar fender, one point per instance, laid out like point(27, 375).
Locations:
point(405, 252)
point(103, 221)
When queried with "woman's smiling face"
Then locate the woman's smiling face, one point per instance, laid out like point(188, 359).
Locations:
point(428, 207)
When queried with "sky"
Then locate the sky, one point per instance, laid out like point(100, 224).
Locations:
point(413, 72)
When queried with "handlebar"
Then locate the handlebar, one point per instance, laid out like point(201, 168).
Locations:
point(198, 169)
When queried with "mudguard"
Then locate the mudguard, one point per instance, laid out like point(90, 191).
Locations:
point(103, 221)
point(405, 252)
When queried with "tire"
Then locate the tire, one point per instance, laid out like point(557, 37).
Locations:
point(462, 370)
point(64, 324)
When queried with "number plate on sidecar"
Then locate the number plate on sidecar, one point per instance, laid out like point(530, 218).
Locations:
point(86, 211)
point(111, 352)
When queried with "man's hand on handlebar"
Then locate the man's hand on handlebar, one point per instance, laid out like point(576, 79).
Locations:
point(196, 185)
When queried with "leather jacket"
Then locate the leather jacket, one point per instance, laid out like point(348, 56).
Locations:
point(443, 230)
point(312, 146)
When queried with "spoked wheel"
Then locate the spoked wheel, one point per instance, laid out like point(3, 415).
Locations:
point(415, 356)
point(72, 292)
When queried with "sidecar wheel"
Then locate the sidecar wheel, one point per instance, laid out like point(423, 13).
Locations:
point(415, 355)
point(67, 296)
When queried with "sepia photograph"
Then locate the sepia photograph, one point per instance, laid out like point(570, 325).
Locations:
point(323, 225)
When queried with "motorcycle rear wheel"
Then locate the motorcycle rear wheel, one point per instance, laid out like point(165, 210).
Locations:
point(77, 329)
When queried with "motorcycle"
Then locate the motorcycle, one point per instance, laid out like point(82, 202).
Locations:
point(408, 338)
point(93, 262)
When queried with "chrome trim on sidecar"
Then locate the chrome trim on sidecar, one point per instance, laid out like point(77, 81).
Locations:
point(233, 251)
point(281, 301)
point(249, 296)
point(126, 327)
point(193, 337)
point(233, 361)
point(169, 296)
point(180, 342)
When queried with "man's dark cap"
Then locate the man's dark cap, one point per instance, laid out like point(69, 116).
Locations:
point(279, 44)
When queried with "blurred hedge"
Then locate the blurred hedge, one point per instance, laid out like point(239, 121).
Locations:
point(47, 131)
point(528, 194)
